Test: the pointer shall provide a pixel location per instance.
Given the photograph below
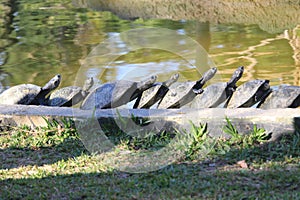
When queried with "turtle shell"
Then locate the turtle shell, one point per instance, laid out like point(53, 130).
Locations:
point(69, 96)
point(217, 93)
point(20, 94)
point(283, 97)
point(110, 95)
point(66, 96)
point(155, 93)
point(29, 93)
point(212, 96)
point(150, 96)
point(178, 95)
point(249, 93)
point(115, 94)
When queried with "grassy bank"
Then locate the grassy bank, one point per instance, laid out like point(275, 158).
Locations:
point(52, 163)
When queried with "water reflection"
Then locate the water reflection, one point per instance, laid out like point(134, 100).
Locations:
point(58, 39)
point(271, 15)
point(138, 53)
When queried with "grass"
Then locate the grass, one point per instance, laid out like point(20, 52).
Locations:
point(52, 163)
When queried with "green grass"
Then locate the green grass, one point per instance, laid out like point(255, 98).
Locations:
point(52, 163)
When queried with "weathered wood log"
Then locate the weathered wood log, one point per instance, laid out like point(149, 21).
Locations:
point(276, 121)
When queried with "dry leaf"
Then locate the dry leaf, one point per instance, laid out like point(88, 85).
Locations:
point(242, 164)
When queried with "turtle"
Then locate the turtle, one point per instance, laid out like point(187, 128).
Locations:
point(249, 93)
point(29, 93)
point(155, 93)
point(286, 96)
point(215, 94)
point(69, 96)
point(116, 93)
point(180, 94)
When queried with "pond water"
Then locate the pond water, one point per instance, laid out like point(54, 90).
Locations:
point(46, 38)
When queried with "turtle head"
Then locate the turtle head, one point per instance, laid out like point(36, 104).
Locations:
point(52, 84)
point(263, 91)
point(266, 85)
point(172, 80)
point(206, 77)
point(88, 84)
point(142, 86)
point(238, 73)
point(145, 84)
point(231, 84)
point(209, 74)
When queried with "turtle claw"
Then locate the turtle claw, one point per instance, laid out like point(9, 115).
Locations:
point(232, 89)
point(198, 91)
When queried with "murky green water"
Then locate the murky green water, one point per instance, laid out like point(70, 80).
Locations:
point(53, 37)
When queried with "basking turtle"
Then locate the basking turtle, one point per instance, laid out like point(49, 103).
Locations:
point(69, 96)
point(114, 94)
point(180, 94)
point(29, 93)
point(284, 97)
point(249, 93)
point(215, 94)
point(155, 93)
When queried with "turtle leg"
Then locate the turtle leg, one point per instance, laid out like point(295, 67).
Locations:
point(230, 91)
point(137, 102)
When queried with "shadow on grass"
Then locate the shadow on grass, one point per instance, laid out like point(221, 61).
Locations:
point(175, 181)
point(17, 157)
point(273, 173)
